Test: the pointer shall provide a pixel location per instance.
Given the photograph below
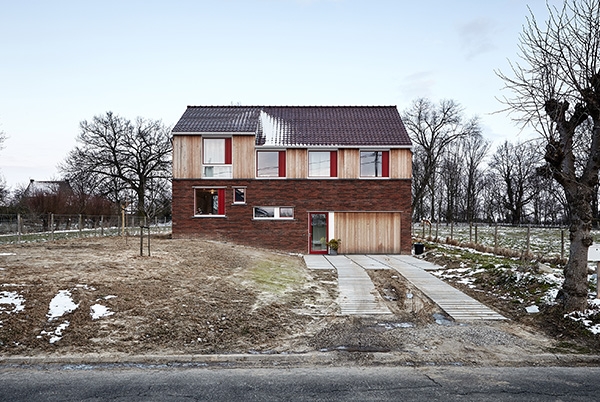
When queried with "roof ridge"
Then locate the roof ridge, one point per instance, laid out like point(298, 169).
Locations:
point(291, 106)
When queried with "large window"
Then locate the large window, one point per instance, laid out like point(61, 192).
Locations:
point(374, 163)
point(270, 164)
point(322, 163)
point(209, 201)
point(216, 157)
point(273, 213)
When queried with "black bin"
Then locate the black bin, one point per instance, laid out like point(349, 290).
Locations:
point(419, 248)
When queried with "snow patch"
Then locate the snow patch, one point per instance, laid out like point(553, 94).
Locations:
point(61, 304)
point(98, 311)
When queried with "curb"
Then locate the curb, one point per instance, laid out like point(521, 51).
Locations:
point(335, 358)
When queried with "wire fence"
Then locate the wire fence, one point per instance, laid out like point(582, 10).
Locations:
point(545, 243)
point(49, 227)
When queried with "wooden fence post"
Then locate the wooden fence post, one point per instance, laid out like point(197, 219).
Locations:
point(51, 227)
point(562, 243)
point(528, 240)
point(80, 225)
point(101, 225)
point(496, 238)
point(470, 232)
point(19, 228)
point(476, 233)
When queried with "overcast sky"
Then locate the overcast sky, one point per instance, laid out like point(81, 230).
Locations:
point(66, 61)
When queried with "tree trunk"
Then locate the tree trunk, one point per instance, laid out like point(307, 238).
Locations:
point(574, 292)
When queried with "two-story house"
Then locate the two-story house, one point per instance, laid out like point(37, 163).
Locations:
point(291, 178)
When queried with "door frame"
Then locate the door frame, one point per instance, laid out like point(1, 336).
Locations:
point(310, 232)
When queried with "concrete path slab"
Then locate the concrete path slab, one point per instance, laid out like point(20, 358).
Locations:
point(454, 302)
point(316, 261)
point(357, 293)
point(367, 262)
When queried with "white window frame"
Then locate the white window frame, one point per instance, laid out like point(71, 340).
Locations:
point(276, 214)
point(245, 195)
point(216, 170)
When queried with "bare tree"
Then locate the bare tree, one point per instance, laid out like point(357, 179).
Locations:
point(432, 128)
point(516, 168)
point(474, 150)
point(556, 89)
point(122, 160)
point(3, 188)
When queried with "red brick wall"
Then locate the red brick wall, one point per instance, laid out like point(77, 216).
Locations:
point(304, 195)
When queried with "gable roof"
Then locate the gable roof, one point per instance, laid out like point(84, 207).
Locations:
point(300, 125)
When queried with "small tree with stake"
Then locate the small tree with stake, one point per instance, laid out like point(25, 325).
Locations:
point(557, 90)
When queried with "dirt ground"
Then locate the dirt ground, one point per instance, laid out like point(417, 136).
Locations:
point(205, 297)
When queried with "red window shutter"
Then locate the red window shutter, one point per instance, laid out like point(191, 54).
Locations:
point(282, 164)
point(385, 164)
point(333, 164)
point(228, 151)
point(221, 194)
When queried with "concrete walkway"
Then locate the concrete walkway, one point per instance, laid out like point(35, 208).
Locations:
point(358, 296)
point(357, 293)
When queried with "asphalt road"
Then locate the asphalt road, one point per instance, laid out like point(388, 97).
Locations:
point(142, 383)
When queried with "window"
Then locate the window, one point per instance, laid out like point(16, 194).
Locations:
point(216, 158)
point(239, 195)
point(374, 163)
point(209, 201)
point(270, 164)
point(322, 163)
point(273, 213)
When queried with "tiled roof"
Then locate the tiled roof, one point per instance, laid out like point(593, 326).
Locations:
point(300, 125)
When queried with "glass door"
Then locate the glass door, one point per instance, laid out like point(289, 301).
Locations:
point(318, 232)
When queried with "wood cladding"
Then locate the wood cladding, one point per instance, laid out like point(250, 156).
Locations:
point(244, 162)
point(187, 156)
point(368, 232)
point(187, 160)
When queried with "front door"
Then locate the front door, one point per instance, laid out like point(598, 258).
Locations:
point(318, 232)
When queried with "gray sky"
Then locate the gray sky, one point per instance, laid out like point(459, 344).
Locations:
point(66, 61)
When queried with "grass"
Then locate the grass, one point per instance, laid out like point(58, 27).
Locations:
point(276, 277)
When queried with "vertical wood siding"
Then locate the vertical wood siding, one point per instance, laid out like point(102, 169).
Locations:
point(244, 157)
point(348, 163)
point(187, 156)
point(368, 232)
point(297, 163)
point(400, 164)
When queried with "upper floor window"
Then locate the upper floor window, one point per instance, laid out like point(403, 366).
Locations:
point(374, 164)
point(270, 163)
point(322, 163)
point(216, 158)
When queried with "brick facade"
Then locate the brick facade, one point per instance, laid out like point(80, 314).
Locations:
point(304, 195)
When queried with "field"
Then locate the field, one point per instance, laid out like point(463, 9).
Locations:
point(98, 296)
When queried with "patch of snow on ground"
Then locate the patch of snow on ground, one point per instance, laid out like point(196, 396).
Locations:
point(56, 335)
point(98, 311)
point(61, 304)
point(6, 254)
point(13, 300)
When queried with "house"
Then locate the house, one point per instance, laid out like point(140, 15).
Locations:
point(291, 178)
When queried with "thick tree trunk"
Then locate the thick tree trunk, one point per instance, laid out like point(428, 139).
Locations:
point(573, 295)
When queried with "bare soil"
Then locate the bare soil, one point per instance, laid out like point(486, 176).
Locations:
point(205, 297)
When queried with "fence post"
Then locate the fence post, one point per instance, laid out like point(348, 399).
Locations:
point(101, 225)
point(496, 238)
point(80, 225)
point(470, 232)
point(19, 228)
point(528, 237)
point(51, 227)
point(452, 230)
point(562, 243)
point(476, 240)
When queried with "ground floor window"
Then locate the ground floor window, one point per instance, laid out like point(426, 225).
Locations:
point(239, 195)
point(209, 201)
point(273, 213)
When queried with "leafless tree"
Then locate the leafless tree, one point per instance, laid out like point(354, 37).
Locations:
point(556, 89)
point(516, 169)
point(123, 160)
point(432, 128)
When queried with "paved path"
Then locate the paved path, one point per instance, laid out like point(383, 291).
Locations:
point(358, 296)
